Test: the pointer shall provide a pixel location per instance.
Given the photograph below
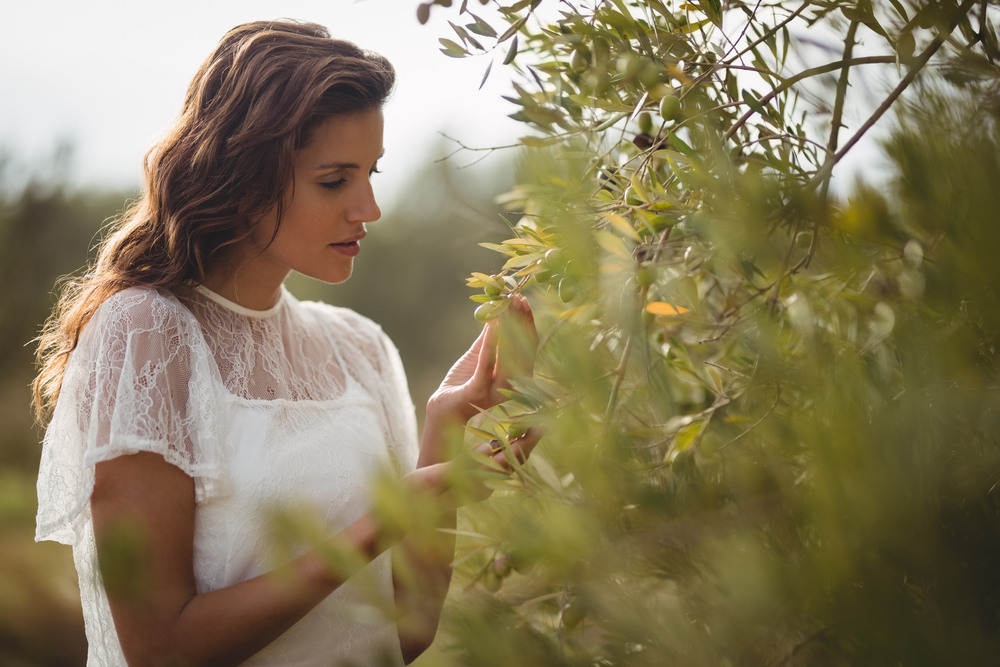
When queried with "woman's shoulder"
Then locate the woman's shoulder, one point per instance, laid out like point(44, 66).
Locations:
point(135, 311)
point(141, 305)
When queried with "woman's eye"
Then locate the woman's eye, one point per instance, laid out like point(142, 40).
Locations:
point(333, 185)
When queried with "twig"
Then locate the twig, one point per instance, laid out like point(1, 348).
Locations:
point(805, 74)
point(918, 65)
point(805, 642)
point(777, 397)
point(561, 629)
point(619, 376)
point(730, 370)
point(831, 148)
point(753, 15)
point(772, 299)
point(712, 339)
point(462, 147)
point(773, 31)
point(794, 137)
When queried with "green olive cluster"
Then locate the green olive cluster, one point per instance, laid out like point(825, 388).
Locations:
point(492, 299)
point(502, 566)
point(553, 270)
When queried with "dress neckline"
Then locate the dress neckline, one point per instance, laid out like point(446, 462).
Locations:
point(237, 308)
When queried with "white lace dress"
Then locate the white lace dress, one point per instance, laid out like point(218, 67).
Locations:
point(302, 403)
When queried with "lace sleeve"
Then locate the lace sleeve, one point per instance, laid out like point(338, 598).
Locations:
point(139, 381)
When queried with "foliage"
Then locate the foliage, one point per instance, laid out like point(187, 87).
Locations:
point(46, 231)
point(772, 413)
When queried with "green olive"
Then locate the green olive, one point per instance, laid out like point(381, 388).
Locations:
point(555, 258)
point(516, 430)
point(501, 566)
point(649, 74)
point(543, 275)
point(905, 45)
point(631, 198)
point(645, 276)
point(601, 50)
point(567, 290)
point(492, 290)
point(578, 62)
point(645, 123)
point(648, 317)
point(518, 561)
point(485, 312)
point(803, 239)
point(670, 106)
point(628, 65)
point(927, 17)
point(574, 614)
point(491, 580)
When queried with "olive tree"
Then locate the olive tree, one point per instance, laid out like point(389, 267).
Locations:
point(771, 408)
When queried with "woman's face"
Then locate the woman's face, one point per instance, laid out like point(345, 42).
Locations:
point(327, 205)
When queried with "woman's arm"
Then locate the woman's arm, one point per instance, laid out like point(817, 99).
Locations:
point(419, 601)
point(150, 583)
point(421, 569)
point(474, 380)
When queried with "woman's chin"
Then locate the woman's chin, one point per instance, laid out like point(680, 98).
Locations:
point(333, 277)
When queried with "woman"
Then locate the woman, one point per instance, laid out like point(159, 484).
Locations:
point(191, 392)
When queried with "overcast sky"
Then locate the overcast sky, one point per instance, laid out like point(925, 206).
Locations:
point(110, 76)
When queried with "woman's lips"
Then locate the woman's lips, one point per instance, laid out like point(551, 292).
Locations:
point(350, 249)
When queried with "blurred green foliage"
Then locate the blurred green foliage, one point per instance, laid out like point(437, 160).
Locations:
point(773, 412)
point(45, 231)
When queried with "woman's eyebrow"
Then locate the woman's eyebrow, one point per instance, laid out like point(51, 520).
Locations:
point(344, 165)
point(337, 165)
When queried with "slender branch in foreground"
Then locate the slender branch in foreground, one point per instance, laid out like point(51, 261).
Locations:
point(805, 642)
point(462, 147)
point(619, 376)
point(772, 299)
point(831, 147)
point(916, 68)
point(777, 397)
point(730, 60)
point(805, 74)
point(838, 105)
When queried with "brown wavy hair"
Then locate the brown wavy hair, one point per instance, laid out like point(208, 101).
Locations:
point(224, 164)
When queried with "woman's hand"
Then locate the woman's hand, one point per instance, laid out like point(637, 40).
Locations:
point(452, 483)
point(505, 350)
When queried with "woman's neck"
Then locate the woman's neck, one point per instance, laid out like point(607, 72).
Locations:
point(252, 284)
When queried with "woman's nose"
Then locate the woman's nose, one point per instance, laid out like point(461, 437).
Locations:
point(365, 208)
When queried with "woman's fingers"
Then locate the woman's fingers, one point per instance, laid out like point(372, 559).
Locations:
point(520, 448)
point(504, 350)
point(529, 318)
point(518, 342)
point(532, 336)
point(487, 359)
point(524, 445)
point(477, 345)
